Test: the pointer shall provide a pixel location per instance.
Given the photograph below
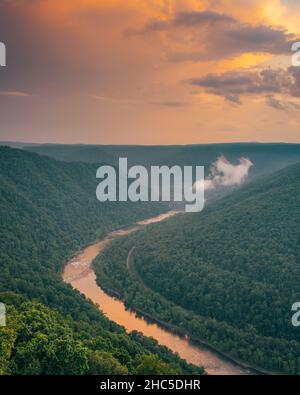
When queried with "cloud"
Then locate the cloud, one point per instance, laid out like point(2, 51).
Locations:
point(176, 104)
point(224, 173)
point(64, 51)
point(14, 94)
point(295, 76)
point(275, 103)
point(217, 36)
point(282, 105)
point(182, 19)
point(235, 84)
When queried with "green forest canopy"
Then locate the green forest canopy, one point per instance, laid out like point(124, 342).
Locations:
point(48, 211)
point(228, 275)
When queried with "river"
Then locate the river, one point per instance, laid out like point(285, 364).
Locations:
point(79, 272)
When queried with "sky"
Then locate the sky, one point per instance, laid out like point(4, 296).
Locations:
point(149, 72)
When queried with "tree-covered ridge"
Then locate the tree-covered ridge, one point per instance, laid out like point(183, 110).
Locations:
point(228, 275)
point(38, 340)
point(267, 157)
point(48, 211)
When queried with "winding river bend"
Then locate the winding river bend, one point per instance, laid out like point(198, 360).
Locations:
point(79, 273)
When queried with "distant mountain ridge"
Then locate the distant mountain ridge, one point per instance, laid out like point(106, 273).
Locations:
point(266, 157)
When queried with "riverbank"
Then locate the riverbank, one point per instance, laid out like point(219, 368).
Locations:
point(178, 331)
point(80, 274)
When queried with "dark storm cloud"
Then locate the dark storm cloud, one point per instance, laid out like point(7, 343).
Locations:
point(233, 85)
point(221, 35)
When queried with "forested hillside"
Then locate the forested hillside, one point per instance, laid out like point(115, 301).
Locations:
point(38, 341)
point(266, 157)
point(49, 210)
point(228, 275)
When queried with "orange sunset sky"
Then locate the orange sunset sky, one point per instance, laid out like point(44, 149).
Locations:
point(149, 72)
